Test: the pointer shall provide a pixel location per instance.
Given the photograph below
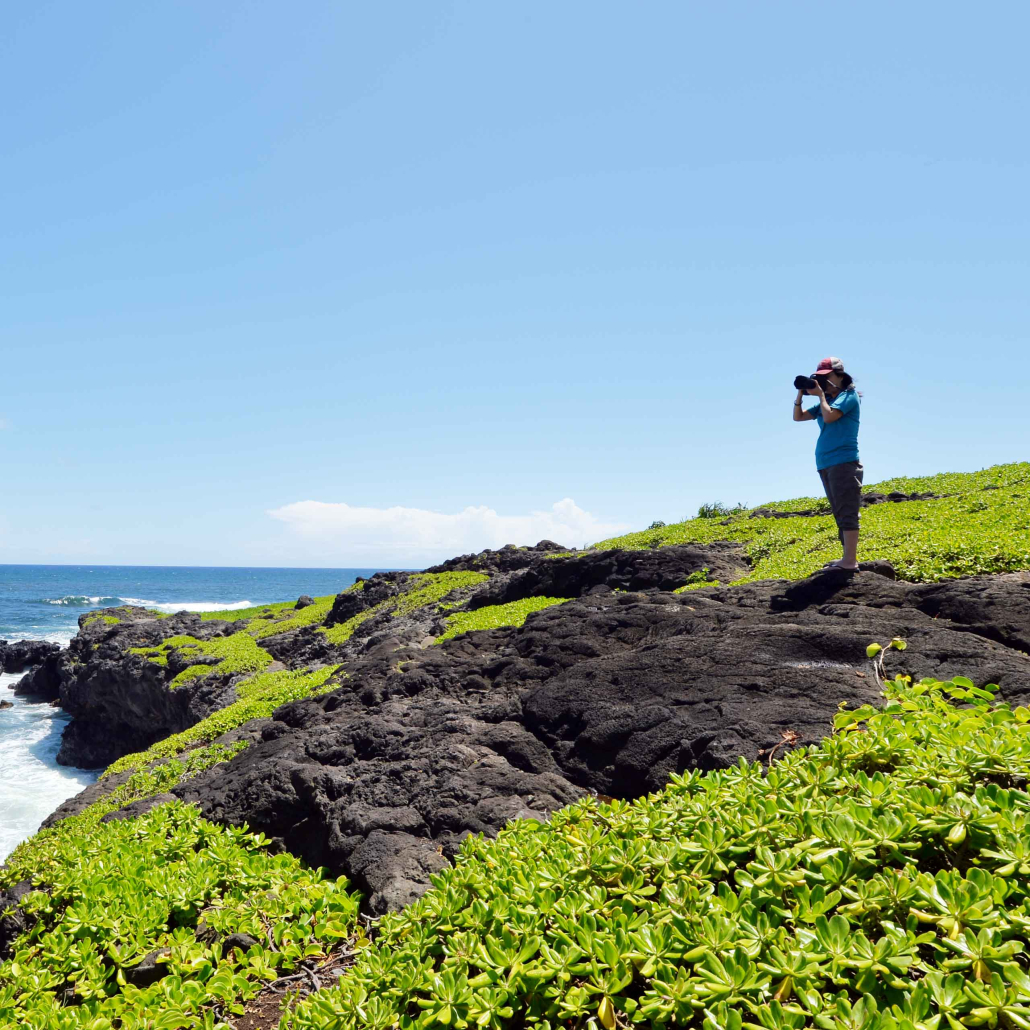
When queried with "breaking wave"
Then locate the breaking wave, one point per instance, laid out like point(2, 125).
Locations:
point(82, 601)
point(189, 606)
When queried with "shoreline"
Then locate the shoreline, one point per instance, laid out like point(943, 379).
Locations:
point(33, 784)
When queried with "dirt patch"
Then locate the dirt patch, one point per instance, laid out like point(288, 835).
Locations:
point(263, 1012)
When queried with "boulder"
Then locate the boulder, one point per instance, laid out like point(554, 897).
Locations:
point(24, 654)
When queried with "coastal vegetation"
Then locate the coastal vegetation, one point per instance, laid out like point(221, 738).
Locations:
point(228, 656)
point(118, 893)
point(976, 523)
point(878, 880)
point(494, 616)
point(424, 589)
point(161, 891)
point(241, 654)
point(697, 580)
point(256, 698)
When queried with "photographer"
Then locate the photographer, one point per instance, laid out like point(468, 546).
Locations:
point(836, 451)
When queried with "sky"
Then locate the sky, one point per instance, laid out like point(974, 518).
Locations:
point(373, 284)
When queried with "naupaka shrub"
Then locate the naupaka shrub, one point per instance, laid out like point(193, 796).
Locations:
point(877, 881)
point(171, 883)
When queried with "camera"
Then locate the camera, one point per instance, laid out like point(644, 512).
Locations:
point(804, 383)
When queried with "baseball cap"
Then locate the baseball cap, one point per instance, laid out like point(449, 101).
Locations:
point(828, 365)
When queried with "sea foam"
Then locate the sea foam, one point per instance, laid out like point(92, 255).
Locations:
point(189, 606)
point(32, 785)
point(82, 601)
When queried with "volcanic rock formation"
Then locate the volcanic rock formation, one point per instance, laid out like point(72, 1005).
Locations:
point(610, 692)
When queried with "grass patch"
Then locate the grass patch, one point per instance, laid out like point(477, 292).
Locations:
point(235, 654)
point(100, 616)
point(282, 616)
point(981, 528)
point(697, 580)
point(495, 615)
point(879, 881)
point(424, 589)
point(257, 698)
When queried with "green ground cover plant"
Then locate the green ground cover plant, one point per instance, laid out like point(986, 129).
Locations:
point(246, 614)
point(234, 654)
point(256, 698)
point(107, 619)
point(878, 881)
point(422, 590)
point(981, 526)
point(159, 778)
point(110, 894)
point(292, 618)
point(492, 616)
point(697, 580)
point(282, 610)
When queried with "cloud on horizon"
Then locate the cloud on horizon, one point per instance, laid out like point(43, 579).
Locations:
point(374, 536)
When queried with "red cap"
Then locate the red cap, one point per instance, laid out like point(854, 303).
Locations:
point(828, 365)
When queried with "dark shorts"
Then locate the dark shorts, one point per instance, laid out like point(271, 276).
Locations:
point(843, 486)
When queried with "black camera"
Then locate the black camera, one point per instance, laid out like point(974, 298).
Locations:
point(804, 383)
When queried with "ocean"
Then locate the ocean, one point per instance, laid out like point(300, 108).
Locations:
point(44, 602)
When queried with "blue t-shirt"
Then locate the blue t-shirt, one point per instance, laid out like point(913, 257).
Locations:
point(838, 441)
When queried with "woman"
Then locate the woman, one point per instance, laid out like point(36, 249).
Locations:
point(836, 451)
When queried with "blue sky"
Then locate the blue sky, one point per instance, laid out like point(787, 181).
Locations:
point(453, 256)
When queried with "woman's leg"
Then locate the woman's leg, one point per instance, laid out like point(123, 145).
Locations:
point(826, 475)
point(850, 559)
point(847, 489)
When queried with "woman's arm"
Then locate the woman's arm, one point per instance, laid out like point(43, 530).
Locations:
point(829, 414)
point(800, 415)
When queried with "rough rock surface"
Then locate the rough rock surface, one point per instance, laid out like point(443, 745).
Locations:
point(120, 702)
point(23, 654)
point(610, 693)
point(604, 571)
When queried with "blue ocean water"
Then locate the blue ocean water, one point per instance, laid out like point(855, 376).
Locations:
point(44, 602)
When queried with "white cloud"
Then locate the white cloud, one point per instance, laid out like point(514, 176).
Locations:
point(414, 536)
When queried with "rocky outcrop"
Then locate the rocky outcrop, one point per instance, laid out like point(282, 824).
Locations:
point(604, 571)
point(23, 654)
point(121, 702)
point(609, 693)
point(506, 559)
